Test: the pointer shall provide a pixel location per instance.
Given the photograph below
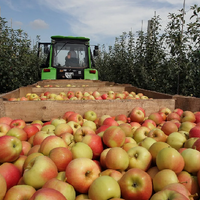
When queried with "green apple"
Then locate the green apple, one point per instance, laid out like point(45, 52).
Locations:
point(104, 187)
point(90, 115)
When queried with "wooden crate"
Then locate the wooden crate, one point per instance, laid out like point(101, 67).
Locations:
point(46, 110)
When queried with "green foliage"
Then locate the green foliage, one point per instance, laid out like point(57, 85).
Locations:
point(19, 64)
point(164, 61)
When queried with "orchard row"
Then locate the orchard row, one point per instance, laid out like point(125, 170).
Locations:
point(76, 157)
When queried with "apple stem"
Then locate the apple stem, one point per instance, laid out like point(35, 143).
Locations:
point(193, 195)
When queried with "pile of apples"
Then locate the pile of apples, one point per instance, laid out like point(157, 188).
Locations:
point(70, 95)
point(68, 85)
point(74, 157)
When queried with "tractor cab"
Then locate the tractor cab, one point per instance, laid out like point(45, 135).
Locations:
point(69, 58)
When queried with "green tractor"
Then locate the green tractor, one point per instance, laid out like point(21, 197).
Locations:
point(68, 58)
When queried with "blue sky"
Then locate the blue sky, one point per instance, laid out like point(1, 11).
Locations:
point(100, 20)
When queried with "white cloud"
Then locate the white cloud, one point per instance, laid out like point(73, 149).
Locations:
point(39, 24)
point(109, 18)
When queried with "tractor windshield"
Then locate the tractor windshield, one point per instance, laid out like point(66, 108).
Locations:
point(70, 55)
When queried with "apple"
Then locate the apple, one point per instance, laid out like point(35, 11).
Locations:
point(47, 193)
point(17, 123)
point(194, 132)
point(188, 116)
point(173, 116)
point(139, 157)
point(135, 126)
point(63, 187)
point(57, 121)
point(169, 127)
point(176, 140)
point(81, 150)
point(10, 173)
point(121, 117)
point(40, 136)
point(90, 124)
point(170, 158)
point(186, 126)
point(117, 159)
point(37, 121)
point(30, 130)
point(179, 187)
point(168, 194)
point(137, 115)
point(113, 173)
point(67, 114)
point(152, 171)
point(140, 133)
point(74, 125)
point(197, 116)
point(179, 111)
point(110, 122)
point(4, 128)
point(76, 118)
point(149, 124)
point(95, 143)
point(20, 192)
point(155, 148)
point(103, 158)
point(19, 163)
point(18, 133)
point(30, 157)
point(38, 171)
point(104, 187)
point(33, 97)
point(189, 142)
point(69, 139)
point(81, 172)
point(164, 177)
point(190, 182)
point(156, 117)
point(114, 136)
point(101, 129)
point(6, 120)
point(157, 134)
point(50, 143)
point(61, 156)
point(135, 184)
point(192, 160)
point(129, 145)
point(79, 94)
point(127, 128)
point(147, 142)
point(96, 94)
point(34, 149)
point(101, 119)
point(90, 115)
point(3, 187)
point(63, 128)
point(165, 110)
point(82, 132)
point(10, 148)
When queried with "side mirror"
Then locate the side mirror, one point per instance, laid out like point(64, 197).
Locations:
point(96, 51)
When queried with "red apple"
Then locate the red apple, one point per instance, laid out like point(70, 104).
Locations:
point(6, 120)
point(17, 123)
point(81, 172)
point(95, 143)
point(11, 174)
point(137, 115)
point(110, 122)
point(173, 116)
point(169, 127)
point(136, 184)
point(63, 187)
point(194, 132)
point(40, 136)
point(157, 134)
point(76, 118)
point(114, 136)
point(156, 117)
point(47, 193)
point(121, 117)
point(3, 187)
point(61, 156)
point(179, 111)
point(67, 114)
point(10, 148)
point(38, 171)
point(30, 130)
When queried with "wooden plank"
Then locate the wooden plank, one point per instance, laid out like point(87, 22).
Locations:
point(46, 110)
point(187, 103)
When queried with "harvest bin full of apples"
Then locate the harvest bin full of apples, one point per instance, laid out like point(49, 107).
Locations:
point(76, 156)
